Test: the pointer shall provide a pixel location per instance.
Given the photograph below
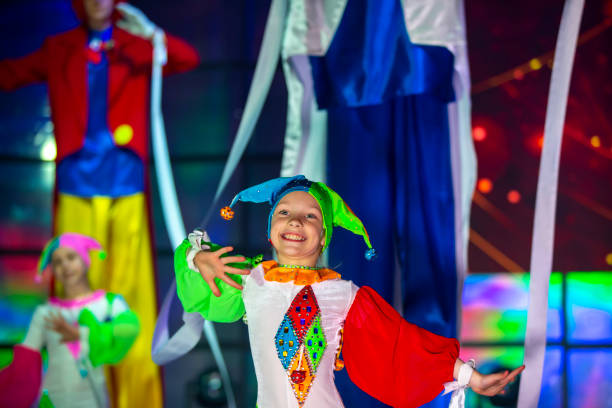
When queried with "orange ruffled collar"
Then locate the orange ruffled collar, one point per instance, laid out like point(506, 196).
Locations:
point(299, 276)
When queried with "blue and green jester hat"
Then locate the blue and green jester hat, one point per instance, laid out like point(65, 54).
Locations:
point(334, 210)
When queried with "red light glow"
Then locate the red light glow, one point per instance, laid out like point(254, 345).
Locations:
point(485, 185)
point(479, 133)
point(518, 74)
point(513, 196)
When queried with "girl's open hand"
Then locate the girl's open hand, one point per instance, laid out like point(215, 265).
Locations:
point(211, 265)
point(56, 322)
point(493, 384)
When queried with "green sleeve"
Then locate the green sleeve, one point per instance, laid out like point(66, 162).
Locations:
point(196, 296)
point(110, 341)
point(45, 401)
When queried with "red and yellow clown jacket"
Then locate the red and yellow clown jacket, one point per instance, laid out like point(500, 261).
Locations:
point(61, 62)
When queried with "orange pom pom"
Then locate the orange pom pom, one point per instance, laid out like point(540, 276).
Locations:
point(227, 213)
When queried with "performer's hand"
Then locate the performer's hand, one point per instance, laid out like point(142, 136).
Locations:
point(135, 21)
point(54, 321)
point(493, 384)
point(211, 265)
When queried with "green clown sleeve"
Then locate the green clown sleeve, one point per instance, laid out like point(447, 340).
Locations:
point(196, 295)
point(110, 341)
point(45, 401)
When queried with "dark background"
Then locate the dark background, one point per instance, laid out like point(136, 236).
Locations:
point(202, 110)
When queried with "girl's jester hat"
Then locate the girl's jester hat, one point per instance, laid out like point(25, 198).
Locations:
point(81, 244)
point(334, 210)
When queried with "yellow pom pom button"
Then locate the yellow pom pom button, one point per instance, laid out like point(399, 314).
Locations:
point(123, 134)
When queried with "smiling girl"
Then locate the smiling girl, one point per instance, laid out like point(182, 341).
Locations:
point(81, 331)
point(301, 315)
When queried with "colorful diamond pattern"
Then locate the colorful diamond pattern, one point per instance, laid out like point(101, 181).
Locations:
point(315, 343)
point(300, 342)
point(303, 310)
point(286, 342)
point(301, 377)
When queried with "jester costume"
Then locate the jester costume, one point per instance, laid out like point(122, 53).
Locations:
point(99, 97)
point(75, 373)
point(301, 318)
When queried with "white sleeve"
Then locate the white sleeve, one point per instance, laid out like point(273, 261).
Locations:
point(118, 306)
point(35, 338)
point(191, 253)
point(353, 289)
point(195, 239)
point(84, 341)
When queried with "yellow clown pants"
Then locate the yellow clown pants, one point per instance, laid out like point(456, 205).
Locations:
point(121, 225)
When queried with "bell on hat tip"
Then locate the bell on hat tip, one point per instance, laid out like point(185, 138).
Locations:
point(227, 213)
point(370, 254)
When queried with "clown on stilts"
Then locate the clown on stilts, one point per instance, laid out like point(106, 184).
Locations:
point(99, 76)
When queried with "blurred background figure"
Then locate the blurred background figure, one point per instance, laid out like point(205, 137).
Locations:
point(98, 76)
point(81, 331)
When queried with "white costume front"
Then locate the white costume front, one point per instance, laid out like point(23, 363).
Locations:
point(298, 318)
point(266, 303)
point(71, 381)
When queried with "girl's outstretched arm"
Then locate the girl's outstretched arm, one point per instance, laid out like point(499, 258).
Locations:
point(208, 291)
point(489, 384)
point(392, 360)
point(213, 265)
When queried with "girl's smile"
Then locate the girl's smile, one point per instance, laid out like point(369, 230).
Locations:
point(293, 237)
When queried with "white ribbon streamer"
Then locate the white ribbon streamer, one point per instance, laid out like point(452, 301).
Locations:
point(165, 349)
point(267, 61)
point(546, 204)
point(458, 387)
point(188, 335)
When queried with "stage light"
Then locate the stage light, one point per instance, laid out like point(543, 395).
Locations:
point(485, 185)
point(535, 64)
point(534, 143)
point(595, 141)
point(48, 151)
point(479, 133)
point(609, 258)
point(513, 196)
point(518, 74)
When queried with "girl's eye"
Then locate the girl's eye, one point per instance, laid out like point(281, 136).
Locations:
point(311, 216)
point(283, 212)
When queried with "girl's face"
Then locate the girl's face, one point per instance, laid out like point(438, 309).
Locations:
point(68, 267)
point(296, 230)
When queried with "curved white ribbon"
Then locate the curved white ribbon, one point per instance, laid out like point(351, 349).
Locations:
point(546, 204)
point(265, 68)
point(164, 350)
